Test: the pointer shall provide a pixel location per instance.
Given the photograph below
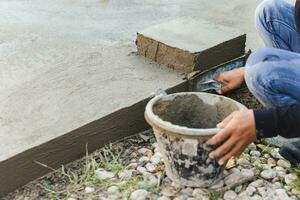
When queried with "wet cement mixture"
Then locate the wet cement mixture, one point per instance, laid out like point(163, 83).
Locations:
point(190, 111)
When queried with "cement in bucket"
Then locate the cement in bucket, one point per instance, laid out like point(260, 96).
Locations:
point(182, 123)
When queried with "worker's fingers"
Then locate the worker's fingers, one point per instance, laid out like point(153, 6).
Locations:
point(231, 153)
point(224, 89)
point(221, 78)
point(225, 121)
point(220, 136)
point(224, 148)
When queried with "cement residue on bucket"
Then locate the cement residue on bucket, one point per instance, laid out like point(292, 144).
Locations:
point(182, 123)
point(190, 111)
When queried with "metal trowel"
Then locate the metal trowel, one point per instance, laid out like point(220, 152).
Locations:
point(204, 81)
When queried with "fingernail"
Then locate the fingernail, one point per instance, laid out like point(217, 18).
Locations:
point(221, 162)
point(211, 156)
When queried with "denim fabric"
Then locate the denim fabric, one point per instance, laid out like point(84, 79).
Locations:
point(272, 74)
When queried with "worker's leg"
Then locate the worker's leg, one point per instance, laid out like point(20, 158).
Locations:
point(273, 76)
point(275, 22)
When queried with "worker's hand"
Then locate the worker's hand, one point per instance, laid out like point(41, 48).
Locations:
point(237, 132)
point(231, 79)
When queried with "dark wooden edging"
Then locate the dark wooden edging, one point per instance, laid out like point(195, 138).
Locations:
point(22, 168)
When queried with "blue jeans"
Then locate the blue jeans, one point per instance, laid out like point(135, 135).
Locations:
point(272, 74)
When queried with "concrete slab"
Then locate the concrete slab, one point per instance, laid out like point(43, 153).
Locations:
point(182, 43)
point(64, 63)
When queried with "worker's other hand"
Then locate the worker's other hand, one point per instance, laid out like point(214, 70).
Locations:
point(231, 79)
point(237, 132)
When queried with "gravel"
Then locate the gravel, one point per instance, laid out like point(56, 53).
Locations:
point(139, 175)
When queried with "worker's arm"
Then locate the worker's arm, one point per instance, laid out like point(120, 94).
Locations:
point(284, 121)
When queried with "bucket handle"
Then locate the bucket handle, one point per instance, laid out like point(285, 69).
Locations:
point(159, 92)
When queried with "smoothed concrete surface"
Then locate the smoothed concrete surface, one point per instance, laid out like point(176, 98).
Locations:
point(64, 63)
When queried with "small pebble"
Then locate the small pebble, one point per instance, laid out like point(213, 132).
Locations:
point(252, 146)
point(255, 153)
point(187, 191)
point(290, 178)
point(230, 195)
point(143, 151)
point(139, 195)
point(237, 189)
point(125, 174)
point(144, 159)
point(284, 164)
point(88, 190)
point(156, 158)
point(257, 183)
point(250, 190)
point(150, 167)
point(113, 189)
point(268, 174)
point(103, 174)
point(163, 198)
point(243, 162)
point(133, 165)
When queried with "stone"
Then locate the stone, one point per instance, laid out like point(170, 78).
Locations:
point(230, 195)
point(143, 159)
point(243, 162)
point(88, 190)
point(218, 185)
point(163, 198)
point(156, 158)
point(142, 170)
point(169, 191)
point(268, 174)
point(103, 174)
point(281, 194)
point(237, 189)
point(257, 183)
point(151, 180)
point(271, 162)
point(150, 167)
point(133, 165)
point(277, 185)
point(234, 170)
point(284, 163)
point(113, 189)
point(275, 153)
point(139, 195)
point(251, 146)
point(181, 197)
point(278, 168)
point(290, 178)
point(255, 153)
point(125, 174)
point(250, 190)
point(143, 151)
point(187, 191)
point(233, 178)
point(247, 173)
point(198, 193)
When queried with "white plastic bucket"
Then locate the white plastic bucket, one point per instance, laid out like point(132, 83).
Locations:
point(184, 151)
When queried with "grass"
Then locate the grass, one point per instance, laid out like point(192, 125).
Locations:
point(296, 183)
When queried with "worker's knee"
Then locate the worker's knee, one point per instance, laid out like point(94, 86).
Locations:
point(265, 10)
point(259, 70)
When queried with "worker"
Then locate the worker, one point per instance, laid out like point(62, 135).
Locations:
point(272, 75)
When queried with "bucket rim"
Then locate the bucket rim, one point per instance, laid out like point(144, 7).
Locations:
point(154, 120)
